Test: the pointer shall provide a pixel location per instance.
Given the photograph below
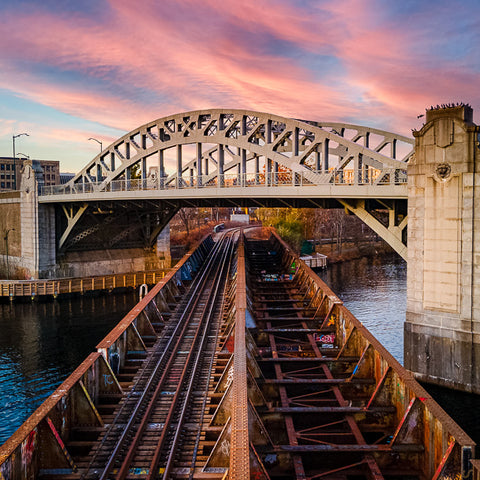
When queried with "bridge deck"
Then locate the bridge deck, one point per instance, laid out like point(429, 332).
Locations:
point(239, 363)
point(36, 288)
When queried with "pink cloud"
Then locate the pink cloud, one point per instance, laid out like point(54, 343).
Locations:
point(189, 54)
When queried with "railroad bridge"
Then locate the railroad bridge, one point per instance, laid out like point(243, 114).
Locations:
point(128, 193)
point(240, 364)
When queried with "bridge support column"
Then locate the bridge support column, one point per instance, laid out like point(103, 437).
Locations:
point(442, 329)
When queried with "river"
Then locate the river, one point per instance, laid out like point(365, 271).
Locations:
point(42, 342)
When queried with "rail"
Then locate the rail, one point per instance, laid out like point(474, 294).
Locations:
point(42, 443)
point(247, 180)
point(182, 353)
point(36, 288)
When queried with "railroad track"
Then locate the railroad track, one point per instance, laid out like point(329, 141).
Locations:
point(156, 427)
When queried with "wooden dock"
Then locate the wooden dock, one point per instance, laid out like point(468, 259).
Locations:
point(317, 260)
point(36, 288)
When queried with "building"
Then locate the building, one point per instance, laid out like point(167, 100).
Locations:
point(66, 177)
point(51, 172)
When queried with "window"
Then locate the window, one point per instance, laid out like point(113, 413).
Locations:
point(8, 185)
point(8, 166)
point(2, 166)
point(2, 184)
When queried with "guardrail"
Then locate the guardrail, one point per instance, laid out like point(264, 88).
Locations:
point(295, 179)
point(35, 288)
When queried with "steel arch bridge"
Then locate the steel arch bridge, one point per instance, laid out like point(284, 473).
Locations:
point(231, 158)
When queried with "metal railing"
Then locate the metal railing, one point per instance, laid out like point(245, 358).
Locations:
point(246, 180)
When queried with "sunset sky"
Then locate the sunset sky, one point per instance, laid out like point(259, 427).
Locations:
point(70, 70)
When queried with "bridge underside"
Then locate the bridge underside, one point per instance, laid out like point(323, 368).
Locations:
point(136, 223)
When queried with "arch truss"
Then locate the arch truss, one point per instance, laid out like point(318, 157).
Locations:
point(225, 148)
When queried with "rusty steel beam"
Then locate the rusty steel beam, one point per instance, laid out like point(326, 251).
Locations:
point(239, 440)
point(394, 385)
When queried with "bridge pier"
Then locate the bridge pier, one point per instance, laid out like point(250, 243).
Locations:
point(28, 242)
point(442, 329)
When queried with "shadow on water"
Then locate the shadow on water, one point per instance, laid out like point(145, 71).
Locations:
point(463, 407)
point(41, 343)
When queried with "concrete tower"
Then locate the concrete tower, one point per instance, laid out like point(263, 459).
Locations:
point(442, 331)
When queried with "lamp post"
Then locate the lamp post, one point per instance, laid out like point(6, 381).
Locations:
point(98, 141)
point(6, 249)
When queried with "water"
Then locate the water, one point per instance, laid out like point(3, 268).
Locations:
point(41, 343)
point(375, 291)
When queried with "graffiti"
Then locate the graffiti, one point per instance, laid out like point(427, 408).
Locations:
point(28, 448)
point(114, 358)
point(6, 468)
point(230, 344)
point(329, 339)
point(60, 443)
point(107, 378)
point(289, 348)
point(139, 471)
point(225, 447)
point(229, 378)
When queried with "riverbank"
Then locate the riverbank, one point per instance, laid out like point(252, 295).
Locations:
point(353, 251)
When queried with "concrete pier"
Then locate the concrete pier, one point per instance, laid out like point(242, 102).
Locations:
point(29, 250)
point(442, 330)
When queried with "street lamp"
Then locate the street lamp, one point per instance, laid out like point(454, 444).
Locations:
point(6, 249)
point(98, 141)
point(14, 170)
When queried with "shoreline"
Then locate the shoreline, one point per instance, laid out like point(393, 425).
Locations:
point(352, 251)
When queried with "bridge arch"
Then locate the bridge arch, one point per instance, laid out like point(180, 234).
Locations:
point(320, 151)
point(239, 149)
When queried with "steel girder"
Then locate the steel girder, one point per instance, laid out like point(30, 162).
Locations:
point(242, 136)
point(105, 225)
point(241, 148)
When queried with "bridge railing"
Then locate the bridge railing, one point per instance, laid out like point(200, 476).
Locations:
point(273, 179)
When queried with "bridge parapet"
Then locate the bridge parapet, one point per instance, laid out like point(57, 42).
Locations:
point(249, 180)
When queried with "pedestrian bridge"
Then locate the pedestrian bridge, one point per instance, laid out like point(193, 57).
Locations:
point(238, 158)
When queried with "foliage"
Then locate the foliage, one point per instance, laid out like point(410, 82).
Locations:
point(290, 224)
point(292, 232)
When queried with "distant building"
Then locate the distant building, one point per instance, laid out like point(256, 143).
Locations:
point(66, 177)
point(51, 172)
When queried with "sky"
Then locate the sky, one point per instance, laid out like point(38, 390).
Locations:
point(72, 70)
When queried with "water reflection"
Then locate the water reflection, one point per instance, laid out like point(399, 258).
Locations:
point(375, 291)
point(41, 343)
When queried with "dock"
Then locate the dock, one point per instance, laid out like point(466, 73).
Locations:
point(240, 363)
point(316, 260)
point(37, 288)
